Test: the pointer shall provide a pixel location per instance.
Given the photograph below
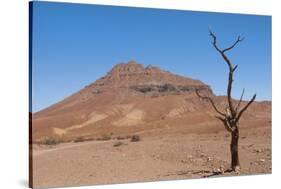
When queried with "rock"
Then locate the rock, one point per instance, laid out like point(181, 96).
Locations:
point(202, 155)
point(96, 91)
point(222, 168)
point(258, 150)
point(237, 170)
point(190, 157)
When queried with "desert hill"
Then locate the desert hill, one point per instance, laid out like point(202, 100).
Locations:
point(131, 99)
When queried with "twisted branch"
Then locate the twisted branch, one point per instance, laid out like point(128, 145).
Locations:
point(211, 101)
point(239, 39)
point(245, 107)
point(230, 67)
point(225, 123)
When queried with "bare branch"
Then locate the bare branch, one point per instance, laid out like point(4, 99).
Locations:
point(241, 98)
point(211, 101)
point(239, 39)
point(215, 41)
point(226, 125)
point(245, 107)
point(231, 119)
point(230, 67)
point(235, 67)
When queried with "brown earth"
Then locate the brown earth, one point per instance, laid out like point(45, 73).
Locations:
point(180, 138)
point(154, 157)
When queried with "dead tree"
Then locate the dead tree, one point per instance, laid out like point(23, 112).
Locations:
point(232, 114)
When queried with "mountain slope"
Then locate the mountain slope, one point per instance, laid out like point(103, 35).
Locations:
point(130, 99)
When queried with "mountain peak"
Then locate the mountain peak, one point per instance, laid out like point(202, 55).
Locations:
point(132, 75)
point(126, 68)
point(132, 62)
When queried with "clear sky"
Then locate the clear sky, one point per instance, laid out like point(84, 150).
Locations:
point(75, 44)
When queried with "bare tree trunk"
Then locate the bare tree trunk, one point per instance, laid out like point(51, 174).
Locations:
point(230, 118)
point(235, 165)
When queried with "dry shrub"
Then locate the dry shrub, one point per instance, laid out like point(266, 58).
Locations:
point(51, 141)
point(128, 137)
point(79, 139)
point(120, 138)
point(106, 136)
point(135, 138)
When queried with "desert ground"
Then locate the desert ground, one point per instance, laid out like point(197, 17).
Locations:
point(154, 157)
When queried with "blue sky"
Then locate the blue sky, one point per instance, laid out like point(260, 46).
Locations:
point(75, 44)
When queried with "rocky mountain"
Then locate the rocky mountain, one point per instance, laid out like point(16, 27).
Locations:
point(132, 98)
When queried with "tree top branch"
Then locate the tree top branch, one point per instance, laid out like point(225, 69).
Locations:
point(245, 107)
point(222, 51)
point(239, 39)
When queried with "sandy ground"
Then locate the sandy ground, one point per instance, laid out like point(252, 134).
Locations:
point(154, 157)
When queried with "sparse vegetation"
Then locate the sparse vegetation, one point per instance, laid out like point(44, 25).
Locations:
point(80, 139)
point(106, 136)
point(135, 138)
point(128, 137)
point(121, 138)
point(50, 141)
